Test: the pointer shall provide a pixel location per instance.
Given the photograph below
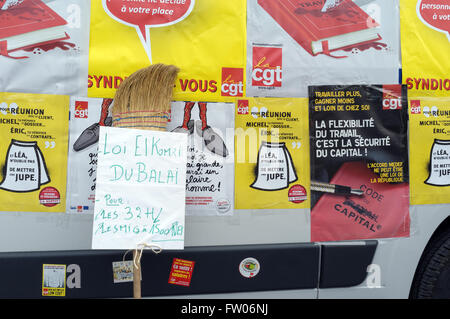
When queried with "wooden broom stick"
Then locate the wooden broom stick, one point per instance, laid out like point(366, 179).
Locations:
point(136, 275)
point(142, 101)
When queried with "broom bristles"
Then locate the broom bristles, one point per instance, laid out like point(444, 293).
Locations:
point(145, 93)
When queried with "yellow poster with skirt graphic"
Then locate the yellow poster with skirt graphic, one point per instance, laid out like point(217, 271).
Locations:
point(204, 38)
point(425, 40)
point(272, 153)
point(33, 152)
point(429, 150)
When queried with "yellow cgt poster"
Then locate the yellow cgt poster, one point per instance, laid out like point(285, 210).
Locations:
point(425, 40)
point(33, 152)
point(272, 153)
point(204, 38)
point(429, 135)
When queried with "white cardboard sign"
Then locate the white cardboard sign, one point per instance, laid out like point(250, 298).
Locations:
point(140, 193)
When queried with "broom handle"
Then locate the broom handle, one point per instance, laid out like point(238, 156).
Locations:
point(136, 275)
point(128, 92)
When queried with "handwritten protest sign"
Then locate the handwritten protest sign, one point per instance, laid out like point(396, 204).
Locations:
point(140, 194)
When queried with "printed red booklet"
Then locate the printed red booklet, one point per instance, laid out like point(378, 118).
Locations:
point(29, 23)
point(381, 212)
point(322, 32)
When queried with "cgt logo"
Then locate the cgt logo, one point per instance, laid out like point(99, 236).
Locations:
point(81, 109)
point(392, 97)
point(415, 107)
point(267, 67)
point(242, 108)
point(232, 82)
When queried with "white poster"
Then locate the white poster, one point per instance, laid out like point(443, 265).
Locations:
point(140, 192)
point(86, 117)
point(210, 165)
point(210, 168)
point(292, 44)
point(47, 43)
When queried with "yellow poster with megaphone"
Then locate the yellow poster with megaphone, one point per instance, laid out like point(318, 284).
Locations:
point(204, 38)
point(425, 39)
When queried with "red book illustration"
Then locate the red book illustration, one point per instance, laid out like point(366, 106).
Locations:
point(381, 212)
point(5, 4)
point(341, 27)
point(29, 23)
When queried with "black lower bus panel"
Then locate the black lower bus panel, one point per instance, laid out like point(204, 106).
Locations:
point(216, 270)
point(89, 273)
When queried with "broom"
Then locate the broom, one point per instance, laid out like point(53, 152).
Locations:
point(142, 101)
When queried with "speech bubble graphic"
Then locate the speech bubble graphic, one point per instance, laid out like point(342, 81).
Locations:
point(435, 14)
point(146, 14)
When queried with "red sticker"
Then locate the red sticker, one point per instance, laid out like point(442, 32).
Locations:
point(49, 197)
point(181, 272)
point(297, 194)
